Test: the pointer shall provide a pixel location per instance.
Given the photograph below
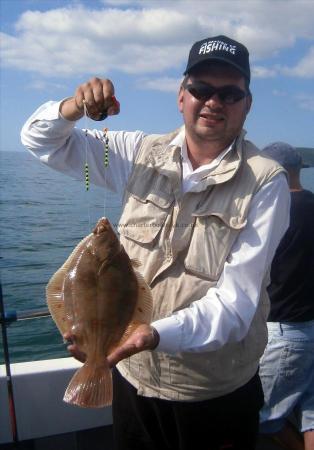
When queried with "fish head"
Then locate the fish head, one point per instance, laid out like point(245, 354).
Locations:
point(105, 242)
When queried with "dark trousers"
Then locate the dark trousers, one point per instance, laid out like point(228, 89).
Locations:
point(225, 423)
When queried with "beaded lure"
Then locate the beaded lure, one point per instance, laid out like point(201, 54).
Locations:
point(105, 141)
point(86, 168)
point(106, 150)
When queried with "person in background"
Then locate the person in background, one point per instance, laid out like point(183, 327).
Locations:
point(287, 366)
point(203, 212)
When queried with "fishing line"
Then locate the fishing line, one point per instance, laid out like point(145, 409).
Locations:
point(105, 141)
point(86, 167)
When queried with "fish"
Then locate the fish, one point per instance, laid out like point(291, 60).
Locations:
point(100, 298)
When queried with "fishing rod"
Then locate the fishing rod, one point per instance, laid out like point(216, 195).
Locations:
point(13, 316)
point(8, 371)
point(7, 317)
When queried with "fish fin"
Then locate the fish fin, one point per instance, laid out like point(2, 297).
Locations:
point(54, 290)
point(55, 301)
point(127, 333)
point(90, 386)
point(144, 306)
point(136, 263)
point(143, 309)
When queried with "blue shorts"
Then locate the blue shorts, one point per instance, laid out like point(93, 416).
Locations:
point(287, 375)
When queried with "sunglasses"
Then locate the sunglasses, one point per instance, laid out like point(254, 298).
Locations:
point(226, 94)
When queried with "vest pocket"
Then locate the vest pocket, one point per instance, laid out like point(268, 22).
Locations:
point(143, 218)
point(211, 242)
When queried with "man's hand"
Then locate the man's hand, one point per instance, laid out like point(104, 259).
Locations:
point(144, 337)
point(98, 97)
point(73, 349)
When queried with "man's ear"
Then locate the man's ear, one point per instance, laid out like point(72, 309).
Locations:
point(249, 101)
point(180, 99)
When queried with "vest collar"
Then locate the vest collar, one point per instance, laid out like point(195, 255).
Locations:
point(166, 159)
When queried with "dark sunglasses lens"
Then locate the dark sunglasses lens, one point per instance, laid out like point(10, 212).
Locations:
point(228, 95)
point(231, 95)
point(201, 92)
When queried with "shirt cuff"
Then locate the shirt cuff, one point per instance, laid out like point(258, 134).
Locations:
point(49, 112)
point(170, 332)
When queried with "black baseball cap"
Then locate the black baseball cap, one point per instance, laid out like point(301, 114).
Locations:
point(220, 48)
point(287, 155)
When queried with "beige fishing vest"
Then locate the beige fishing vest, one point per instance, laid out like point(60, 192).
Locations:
point(183, 241)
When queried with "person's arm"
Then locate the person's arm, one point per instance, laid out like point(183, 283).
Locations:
point(51, 136)
point(226, 312)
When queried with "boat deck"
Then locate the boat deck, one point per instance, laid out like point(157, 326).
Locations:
point(94, 439)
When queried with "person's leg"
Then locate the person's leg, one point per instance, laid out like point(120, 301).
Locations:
point(228, 422)
point(140, 423)
point(305, 408)
point(247, 402)
point(286, 370)
point(309, 440)
point(289, 438)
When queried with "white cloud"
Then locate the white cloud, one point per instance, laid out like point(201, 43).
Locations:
point(119, 2)
point(163, 84)
point(155, 36)
point(278, 93)
point(305, 101)
point(44, 85)
point(304, 68)
point(263, 72)
point(302, 100)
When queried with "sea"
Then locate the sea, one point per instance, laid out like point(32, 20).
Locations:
point(43, 216)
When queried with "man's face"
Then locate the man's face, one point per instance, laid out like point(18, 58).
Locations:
point(213, 120)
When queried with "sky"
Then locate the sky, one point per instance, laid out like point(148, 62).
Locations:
point(48, 48)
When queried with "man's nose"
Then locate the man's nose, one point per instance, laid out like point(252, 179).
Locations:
point(214, 101)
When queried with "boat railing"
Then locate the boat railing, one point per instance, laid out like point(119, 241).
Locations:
point(28, 387)
point(6, 318)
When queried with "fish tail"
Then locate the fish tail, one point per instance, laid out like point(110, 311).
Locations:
point(90, 386)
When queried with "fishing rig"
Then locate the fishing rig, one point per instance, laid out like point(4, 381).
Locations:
point(105, 142)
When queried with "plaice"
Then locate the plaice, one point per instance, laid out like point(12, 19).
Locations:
point(98, 296)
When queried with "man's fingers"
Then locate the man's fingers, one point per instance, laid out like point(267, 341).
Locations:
point(114, 108)
point(122, 352)
point(144, 338)
point(96, 98)
point(72, 348)
point(76, 353)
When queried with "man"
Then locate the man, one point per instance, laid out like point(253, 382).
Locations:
point(201, 212)
point(287, 366)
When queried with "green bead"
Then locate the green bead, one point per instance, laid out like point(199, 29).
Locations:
point(106, 147)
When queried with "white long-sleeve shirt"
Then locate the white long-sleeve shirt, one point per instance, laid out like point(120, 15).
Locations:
point(225, 313)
